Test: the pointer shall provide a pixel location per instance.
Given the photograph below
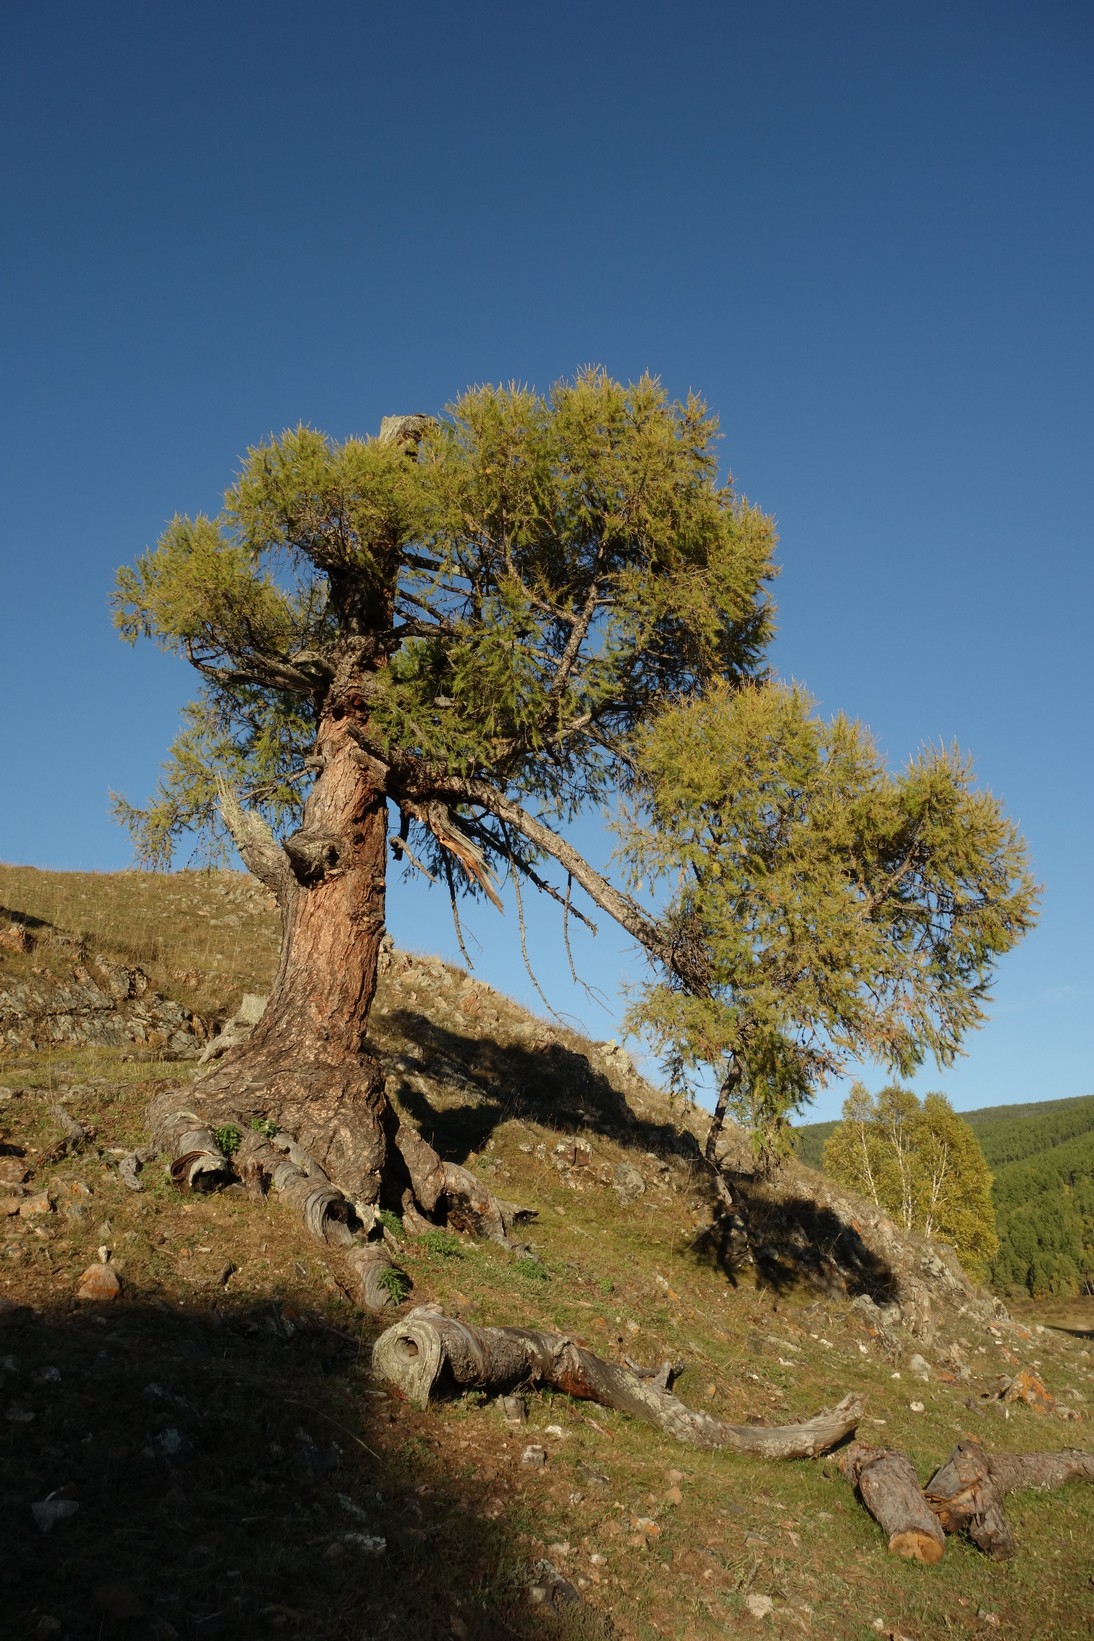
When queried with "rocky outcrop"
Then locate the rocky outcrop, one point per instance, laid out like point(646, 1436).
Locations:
point(90, 1002)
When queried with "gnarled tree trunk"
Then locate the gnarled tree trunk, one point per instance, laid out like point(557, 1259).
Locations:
point(303, 1097)
point(306, 1066)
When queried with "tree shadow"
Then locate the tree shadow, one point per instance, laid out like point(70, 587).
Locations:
point(553, 1084)
point(790, 1241)
point(235, 1473)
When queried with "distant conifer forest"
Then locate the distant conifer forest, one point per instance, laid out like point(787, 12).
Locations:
point(1041, 1158)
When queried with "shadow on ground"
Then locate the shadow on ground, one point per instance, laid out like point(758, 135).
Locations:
point(791, 1241)
point(555, 1085)
point(236, 1474)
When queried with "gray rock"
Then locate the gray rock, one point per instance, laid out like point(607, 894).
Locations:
point(627, 1182)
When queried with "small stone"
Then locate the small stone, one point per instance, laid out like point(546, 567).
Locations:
point(627, 1182)
point(760, 1606)
point(367, 1543)
point(917, 1407)
point(920, 1367)
point(52, 1510)
point(1027, 1387)
point(174, 1444)
point(534, 1455)
point(99, 1283)
point(31, 1207)
point(515, 1409)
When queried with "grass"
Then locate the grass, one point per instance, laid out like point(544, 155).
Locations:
point(238, 1332)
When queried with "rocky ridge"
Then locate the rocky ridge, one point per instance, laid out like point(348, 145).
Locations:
point(74, 999)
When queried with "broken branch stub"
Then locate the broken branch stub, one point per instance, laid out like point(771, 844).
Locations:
point(428, 1352)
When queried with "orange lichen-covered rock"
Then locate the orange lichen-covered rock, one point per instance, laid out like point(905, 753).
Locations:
point(1027, 1387)
point(99, 1282)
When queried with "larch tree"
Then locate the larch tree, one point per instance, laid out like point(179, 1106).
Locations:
point(922, 1164)
point(835, 910)
point(437, 644)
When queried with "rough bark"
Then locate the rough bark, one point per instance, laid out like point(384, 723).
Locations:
point(306, 1065)
point(966, 1493)
point(890, 1490)
point(966, 1498)
point(300, 1105)
point(428, 1351)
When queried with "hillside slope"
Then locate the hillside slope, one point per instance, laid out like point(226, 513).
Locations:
point(218, 1426)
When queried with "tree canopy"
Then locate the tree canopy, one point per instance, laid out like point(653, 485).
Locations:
point(837, 910)
point(485, 622)
point(505, 608)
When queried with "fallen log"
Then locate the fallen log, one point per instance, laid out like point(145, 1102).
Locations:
point(966, 1498)
point(427, 1352)
point(890, 1490)
point(966, 1493)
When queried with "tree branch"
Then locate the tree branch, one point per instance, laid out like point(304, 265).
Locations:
point(258, 848)
point(427, 1345)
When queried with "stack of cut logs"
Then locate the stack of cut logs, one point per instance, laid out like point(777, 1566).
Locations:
point(964, 1495)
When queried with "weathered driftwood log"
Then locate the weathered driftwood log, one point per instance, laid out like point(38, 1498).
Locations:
point(966, 1493)
point(428, 1351)
point(890, 1490)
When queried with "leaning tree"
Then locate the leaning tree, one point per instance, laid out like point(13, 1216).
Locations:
point(435, 643)
point(441, 644)
point(840, 911)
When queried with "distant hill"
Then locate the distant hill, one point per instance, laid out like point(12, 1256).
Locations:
point(1042, 1159)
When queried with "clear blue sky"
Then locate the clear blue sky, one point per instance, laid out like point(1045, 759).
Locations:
point(864, 232)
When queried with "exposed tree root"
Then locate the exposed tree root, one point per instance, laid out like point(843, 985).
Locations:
point(964, 1495)
point(428, 1351)
point(226, 1144)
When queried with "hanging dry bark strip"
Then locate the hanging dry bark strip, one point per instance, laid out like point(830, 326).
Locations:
point(964, 1495)
point(428, 1351)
